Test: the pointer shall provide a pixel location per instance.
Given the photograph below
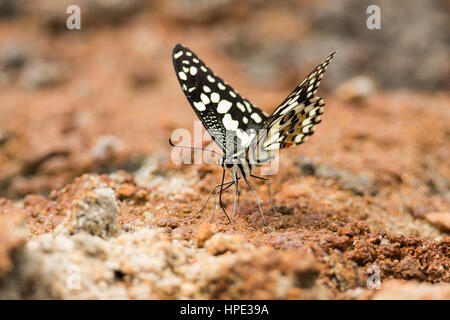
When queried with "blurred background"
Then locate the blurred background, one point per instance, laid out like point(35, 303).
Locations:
point(104, 97)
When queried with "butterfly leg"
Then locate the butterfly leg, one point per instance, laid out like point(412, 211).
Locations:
point(234, 203)
point(220, 197)
point(270, 192)
point(257, 201)
point(228, 184)
point(238, 196)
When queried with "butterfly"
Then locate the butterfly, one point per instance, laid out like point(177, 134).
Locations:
point(248, 136)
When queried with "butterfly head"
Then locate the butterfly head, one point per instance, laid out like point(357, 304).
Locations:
point(227, 163)
point(237, 167)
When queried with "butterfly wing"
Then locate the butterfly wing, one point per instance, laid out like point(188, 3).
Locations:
point(231, 120)
point(294, 121)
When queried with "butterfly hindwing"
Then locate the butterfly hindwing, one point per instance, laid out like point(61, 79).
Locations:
point(231, 120)
point(295, 119)
point(305, 90)
point(296, 126)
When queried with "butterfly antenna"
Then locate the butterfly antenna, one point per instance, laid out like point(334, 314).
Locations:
point(192, 148)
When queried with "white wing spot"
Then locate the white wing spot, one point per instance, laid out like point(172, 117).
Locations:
point(256, 117)
point(210, 78)
point(195, 60)
point(189, 54)
point(233, 94)
point(184, 87)
point(306, 122)
point(191, 89)
point(178, 54)
point(273, 146)
point(249, 107)
point(185, 69)
point(245, 119)
point(215, 97)
point(229, 123)
point(203, 68)
point(309, 108)
point(206, 89)
point(292, 104)
point(199, 106)
point(221, 86)
point(193, 70)
point(241, 107)
point(204, 98)
point(224, 106)
point(306, 129)
point(186, 61)
point(182, 75)
point(298, 138)
point(286, 103)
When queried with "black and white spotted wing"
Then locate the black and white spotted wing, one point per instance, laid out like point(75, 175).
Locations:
point(295, 119)
point(231, 120)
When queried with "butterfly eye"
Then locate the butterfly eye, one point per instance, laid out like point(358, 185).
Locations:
point(229, 165)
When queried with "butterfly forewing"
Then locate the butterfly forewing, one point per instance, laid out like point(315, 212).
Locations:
point(295, 119)
point(231, 120)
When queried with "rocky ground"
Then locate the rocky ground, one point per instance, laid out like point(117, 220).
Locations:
point(93, 207)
